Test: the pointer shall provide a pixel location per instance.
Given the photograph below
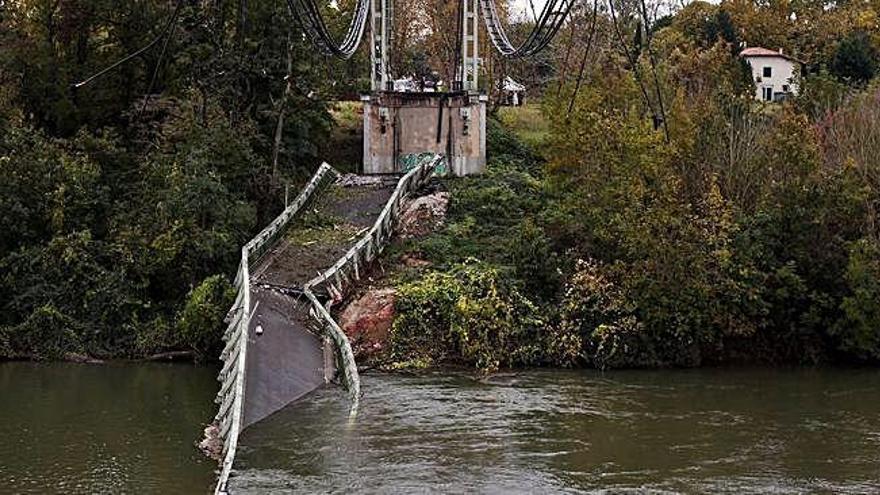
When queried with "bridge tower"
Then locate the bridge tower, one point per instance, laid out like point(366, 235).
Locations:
point(381, 23)
point(400, 125)
point(469, 72)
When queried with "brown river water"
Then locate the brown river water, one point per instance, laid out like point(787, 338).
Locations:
point(131, 428)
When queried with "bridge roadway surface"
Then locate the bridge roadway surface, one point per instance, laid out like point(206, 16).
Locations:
point(287, 360)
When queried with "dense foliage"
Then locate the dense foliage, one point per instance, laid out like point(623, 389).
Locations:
point(658, 216)
point(710, 228)
point(126, 200)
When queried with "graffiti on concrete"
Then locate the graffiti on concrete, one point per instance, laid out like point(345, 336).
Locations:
point(409, 161)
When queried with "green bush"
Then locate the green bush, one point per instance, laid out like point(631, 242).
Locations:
point(595, 313)
point(5, 345)
point(535, 262)
point(503, 147)
point(858, 332)
point(471, 315)
point(77, 277)
point(46, 334)
point(855, 58)
point(200, 324)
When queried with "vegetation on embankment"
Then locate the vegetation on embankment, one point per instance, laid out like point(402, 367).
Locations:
point(668, 218)
point(123, 219)
point(625, 250)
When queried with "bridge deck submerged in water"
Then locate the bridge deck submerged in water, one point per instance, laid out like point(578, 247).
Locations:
point(282, 342)
point(286, 330)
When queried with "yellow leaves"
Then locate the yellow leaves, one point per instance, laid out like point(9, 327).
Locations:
point(866, 20)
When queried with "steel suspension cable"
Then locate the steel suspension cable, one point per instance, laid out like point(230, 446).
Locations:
point(309, 16)
point(633, 61)
point(653, 61)
point(587, 50)
point(162, 35)
point(457, 64)
point(552, 18)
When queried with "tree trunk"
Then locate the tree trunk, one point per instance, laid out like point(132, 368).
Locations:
point(279, 127)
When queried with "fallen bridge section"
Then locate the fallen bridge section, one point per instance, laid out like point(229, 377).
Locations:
point(282, 342)
point(290, 355)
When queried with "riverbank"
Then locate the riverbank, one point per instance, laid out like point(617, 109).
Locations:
point(523, 273)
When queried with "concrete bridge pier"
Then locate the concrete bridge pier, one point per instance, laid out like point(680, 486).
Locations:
point(400, 125)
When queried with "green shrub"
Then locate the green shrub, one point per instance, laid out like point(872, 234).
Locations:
point(154, 336)
point(5, 345)
point(471, 315)
point(595, 312)
point(503, 147)
point(858, 332)
point(46, 334)
point(200, 324)
point(535, 262)
point(855, 59)
point(75, 276)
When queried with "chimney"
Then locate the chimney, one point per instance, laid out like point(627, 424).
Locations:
point(780, 51)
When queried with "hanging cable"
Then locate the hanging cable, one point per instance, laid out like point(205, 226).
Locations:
point(309, 16)
point(158, 65)
point(552, 17)
point(633, 61)
point(652, 60)
point(165, 30)
point(587, 50)
point(563, 77)
point(534, 12)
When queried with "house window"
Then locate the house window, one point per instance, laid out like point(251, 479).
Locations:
point(785, 88)
point(768, 71)
point(767, 93)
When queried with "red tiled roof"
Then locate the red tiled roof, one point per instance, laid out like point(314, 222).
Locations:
point(757, 51)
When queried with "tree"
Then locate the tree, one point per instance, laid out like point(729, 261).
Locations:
point(855, 58)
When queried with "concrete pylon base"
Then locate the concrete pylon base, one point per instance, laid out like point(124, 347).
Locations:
point(399, 126)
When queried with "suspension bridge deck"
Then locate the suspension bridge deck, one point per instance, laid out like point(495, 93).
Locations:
point(289, 359)
point(343, 214)
point(282, 341)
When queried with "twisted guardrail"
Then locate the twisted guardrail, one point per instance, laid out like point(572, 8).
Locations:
point(234, 355)
point(347, 269)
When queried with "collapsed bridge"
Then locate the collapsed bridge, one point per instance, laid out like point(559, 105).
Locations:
point(282, 342)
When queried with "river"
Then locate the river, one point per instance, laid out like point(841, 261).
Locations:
point(113, 428)
point(126, 428)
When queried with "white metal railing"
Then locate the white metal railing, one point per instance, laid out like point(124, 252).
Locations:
point(347, 269)
point(234, 355)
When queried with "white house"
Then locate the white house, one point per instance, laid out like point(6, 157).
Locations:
point(776, 74)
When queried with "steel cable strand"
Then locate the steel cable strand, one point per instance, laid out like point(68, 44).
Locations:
point(583, 66)
point(556, 25)
point(633, 62)
point(162, 35)
point(498, 35)
point(308, 15)
point(652, 59)
point(543, 33)
point(310, 19)
point(548, 25)
point(459, 69)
